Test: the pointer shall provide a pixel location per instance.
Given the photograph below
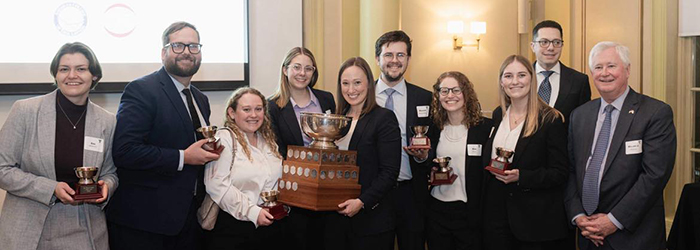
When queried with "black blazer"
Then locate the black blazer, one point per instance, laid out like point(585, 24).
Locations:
point(377, 140)
point(534, 204)
point(285, 124)
point(152, 126)
point(417, 96)
point(574, 91)
point(474, 171)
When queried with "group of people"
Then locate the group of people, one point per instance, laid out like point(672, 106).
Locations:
point(599, 166)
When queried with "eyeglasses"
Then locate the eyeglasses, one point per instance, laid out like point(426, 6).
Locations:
point(297, 67)
point(178, 48)
point(388, 56)
point(544, 43)
point(445, 91)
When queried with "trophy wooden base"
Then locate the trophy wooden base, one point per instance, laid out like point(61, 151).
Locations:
point(212, 146)
point(87, 192)
point(419, 143)
point(318, 179)
point(497, 167)
point(442, 178)
point(278, 211)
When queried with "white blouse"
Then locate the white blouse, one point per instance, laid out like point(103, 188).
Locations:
point(453, 143)
point(506, 137)
point(344, 143)
point(237, 189)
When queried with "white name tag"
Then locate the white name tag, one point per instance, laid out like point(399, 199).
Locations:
point(423, 111)
point(633, 147)
point(94, 144)
point(474, 149)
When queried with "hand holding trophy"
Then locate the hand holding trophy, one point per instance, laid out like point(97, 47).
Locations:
point(278, 210)
point(443, 174)
point(213, 143)
point(419, 139)
point(86, 188)
point(500, 164)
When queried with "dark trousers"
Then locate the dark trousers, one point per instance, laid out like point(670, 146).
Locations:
point(230, 233)
point(127, 238)
point(410, 223)
point(339, 235)
point(450, 227)
point(302, 229)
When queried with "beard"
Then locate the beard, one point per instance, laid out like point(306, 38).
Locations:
point(173, 68)
point(391, 78)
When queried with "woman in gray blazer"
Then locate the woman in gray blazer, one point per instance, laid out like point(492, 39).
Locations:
point(43, 139)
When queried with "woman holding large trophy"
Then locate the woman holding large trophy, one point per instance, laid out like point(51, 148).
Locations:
point(54, 146)
point(527, 159)
point(366, 222)
point(453, 212)
point(295, 94)
point(249, 166)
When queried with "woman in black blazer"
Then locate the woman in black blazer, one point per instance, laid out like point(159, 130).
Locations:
point(366, 222)
point(524, 208)
point(296, 94)
point(453, 214)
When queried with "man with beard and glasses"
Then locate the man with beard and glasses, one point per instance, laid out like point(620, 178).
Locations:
point(411, 104)
point(158, 153)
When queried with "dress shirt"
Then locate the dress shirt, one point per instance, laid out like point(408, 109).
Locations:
point(344, 143)
point(554, 80)
point(453, 143)
point(617, 103)
point(506, 137)
point(400, 107)
point(180, 87)
point(236, 189)
point(313, 107)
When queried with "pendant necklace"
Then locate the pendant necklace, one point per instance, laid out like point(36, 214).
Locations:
point(66, 115)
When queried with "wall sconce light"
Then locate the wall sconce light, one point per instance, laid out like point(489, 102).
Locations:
point(457, 27)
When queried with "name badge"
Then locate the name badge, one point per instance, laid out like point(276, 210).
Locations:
point(94, 144)
point(474, 149)
point(423, 111)
point(633, 147)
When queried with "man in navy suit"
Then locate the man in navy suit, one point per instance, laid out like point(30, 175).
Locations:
point(158, 154)
point(622, 149)
point(559, 86)
point(411, 104)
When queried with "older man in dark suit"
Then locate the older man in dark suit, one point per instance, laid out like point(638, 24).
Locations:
point(159, 154)
point(622, 147)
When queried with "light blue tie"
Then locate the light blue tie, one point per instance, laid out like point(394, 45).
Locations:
point(545, 90)
point(590, 179)
point(389, 99)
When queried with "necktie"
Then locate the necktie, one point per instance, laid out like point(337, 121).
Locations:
point(389, 99)
point(193, 113)
point(545, 90)
point(590, 179)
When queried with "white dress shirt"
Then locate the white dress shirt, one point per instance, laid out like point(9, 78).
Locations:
point(554, 81)
point(237, 189)
point(453, 143)
point(506, 137)
point(181, 87)
point(400, 106)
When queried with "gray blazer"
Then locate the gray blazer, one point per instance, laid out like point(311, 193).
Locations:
point(27, 173)
point(632, 185)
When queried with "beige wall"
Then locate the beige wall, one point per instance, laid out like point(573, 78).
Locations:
point(426, 23)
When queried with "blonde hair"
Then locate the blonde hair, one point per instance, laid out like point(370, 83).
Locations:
point(282, 95)
point(535, 106)
point(265, 130)
point(472, 108)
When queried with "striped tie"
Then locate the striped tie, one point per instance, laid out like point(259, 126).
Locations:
point(590, 179)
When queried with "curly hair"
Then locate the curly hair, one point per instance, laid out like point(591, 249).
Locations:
point(472, 107)
point(265, 130)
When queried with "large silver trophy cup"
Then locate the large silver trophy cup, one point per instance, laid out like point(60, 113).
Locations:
point(324, 129)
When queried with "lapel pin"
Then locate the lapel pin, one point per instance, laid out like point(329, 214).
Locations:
point(631, 111)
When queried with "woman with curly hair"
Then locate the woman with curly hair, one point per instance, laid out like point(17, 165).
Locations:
point(236, 188)
point(453, 209)
point(524, 206)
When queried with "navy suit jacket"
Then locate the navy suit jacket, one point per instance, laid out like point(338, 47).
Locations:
point(535, 204)
point(285, 124)
point(632, 184)
point(152, 126)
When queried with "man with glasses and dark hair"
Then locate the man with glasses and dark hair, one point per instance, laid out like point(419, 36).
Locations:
point(159, 154)
point(411, 104)
point(559, 86)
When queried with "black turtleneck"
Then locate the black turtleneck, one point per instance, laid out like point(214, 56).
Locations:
point(68, 152)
